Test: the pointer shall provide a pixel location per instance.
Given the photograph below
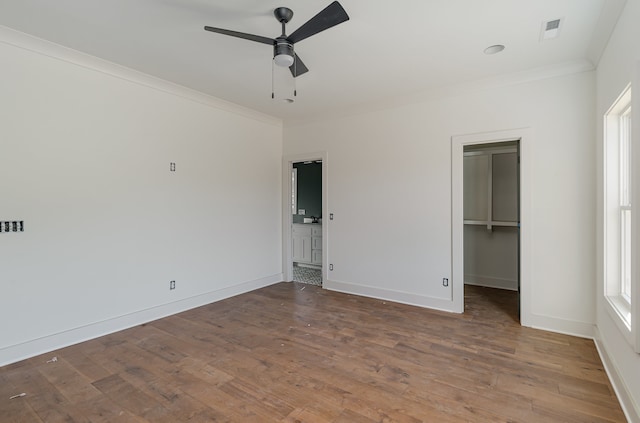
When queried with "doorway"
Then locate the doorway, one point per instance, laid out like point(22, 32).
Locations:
point(497, 225)
point(306, 227)
point(492, 228)
point(304, 206)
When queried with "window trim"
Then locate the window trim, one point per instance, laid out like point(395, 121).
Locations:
point(626, 186)
point(620, 307)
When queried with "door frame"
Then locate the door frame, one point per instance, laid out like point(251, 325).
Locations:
point(287, 217)
point(524, 135)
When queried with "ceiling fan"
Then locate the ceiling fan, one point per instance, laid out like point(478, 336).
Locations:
point(283, 54)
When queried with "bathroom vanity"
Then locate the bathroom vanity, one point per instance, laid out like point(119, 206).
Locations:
point(307, 244)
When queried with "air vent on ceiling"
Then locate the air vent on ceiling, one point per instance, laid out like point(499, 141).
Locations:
point(550, 29)
point(555, 24)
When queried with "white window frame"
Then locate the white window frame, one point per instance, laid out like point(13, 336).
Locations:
point(618, 281)
point(625, 204)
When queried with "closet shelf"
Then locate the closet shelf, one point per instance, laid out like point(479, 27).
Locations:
point(491, 223)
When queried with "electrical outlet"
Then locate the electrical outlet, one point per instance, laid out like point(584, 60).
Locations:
point(331, 267)
point(172, 166)
point(445, 281)
point(330, 216)
point(302, 212)
point(172, 285)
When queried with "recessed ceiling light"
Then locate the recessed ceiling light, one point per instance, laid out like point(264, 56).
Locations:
point(494, 49)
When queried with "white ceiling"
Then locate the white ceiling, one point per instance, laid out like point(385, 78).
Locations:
point(386, 50)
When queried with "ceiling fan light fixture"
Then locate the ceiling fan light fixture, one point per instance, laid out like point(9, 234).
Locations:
point(283, 60)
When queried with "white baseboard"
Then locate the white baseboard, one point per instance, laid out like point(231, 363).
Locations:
point(629, 407)
point(390, 295)
point(491, 282)
point(59, 340)
point(558, 325)
point(552, 324)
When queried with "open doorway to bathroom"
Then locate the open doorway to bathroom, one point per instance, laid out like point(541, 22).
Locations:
point(306, 222)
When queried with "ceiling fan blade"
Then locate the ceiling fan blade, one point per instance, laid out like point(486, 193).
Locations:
point(298, 68)
point(330, 16)
point(250, 37)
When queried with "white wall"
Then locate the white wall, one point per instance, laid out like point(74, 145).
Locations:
point(619, 66)
point(389, 187)
point(85, 148)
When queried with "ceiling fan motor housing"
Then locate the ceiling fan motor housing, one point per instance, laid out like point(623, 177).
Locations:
point(283, 52)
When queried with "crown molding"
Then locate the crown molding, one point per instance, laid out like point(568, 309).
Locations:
point(454, 90)
point(55, 51)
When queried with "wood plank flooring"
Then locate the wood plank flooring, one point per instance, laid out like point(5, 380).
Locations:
point(297, 353)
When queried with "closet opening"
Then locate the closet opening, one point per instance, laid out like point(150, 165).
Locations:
point(491, 238)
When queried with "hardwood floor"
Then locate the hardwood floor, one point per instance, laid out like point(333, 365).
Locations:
point(296, 353)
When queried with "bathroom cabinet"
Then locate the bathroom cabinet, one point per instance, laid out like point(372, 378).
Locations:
point(307, 243)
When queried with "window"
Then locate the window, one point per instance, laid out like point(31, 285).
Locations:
point(625, 204)
point(618, 256)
